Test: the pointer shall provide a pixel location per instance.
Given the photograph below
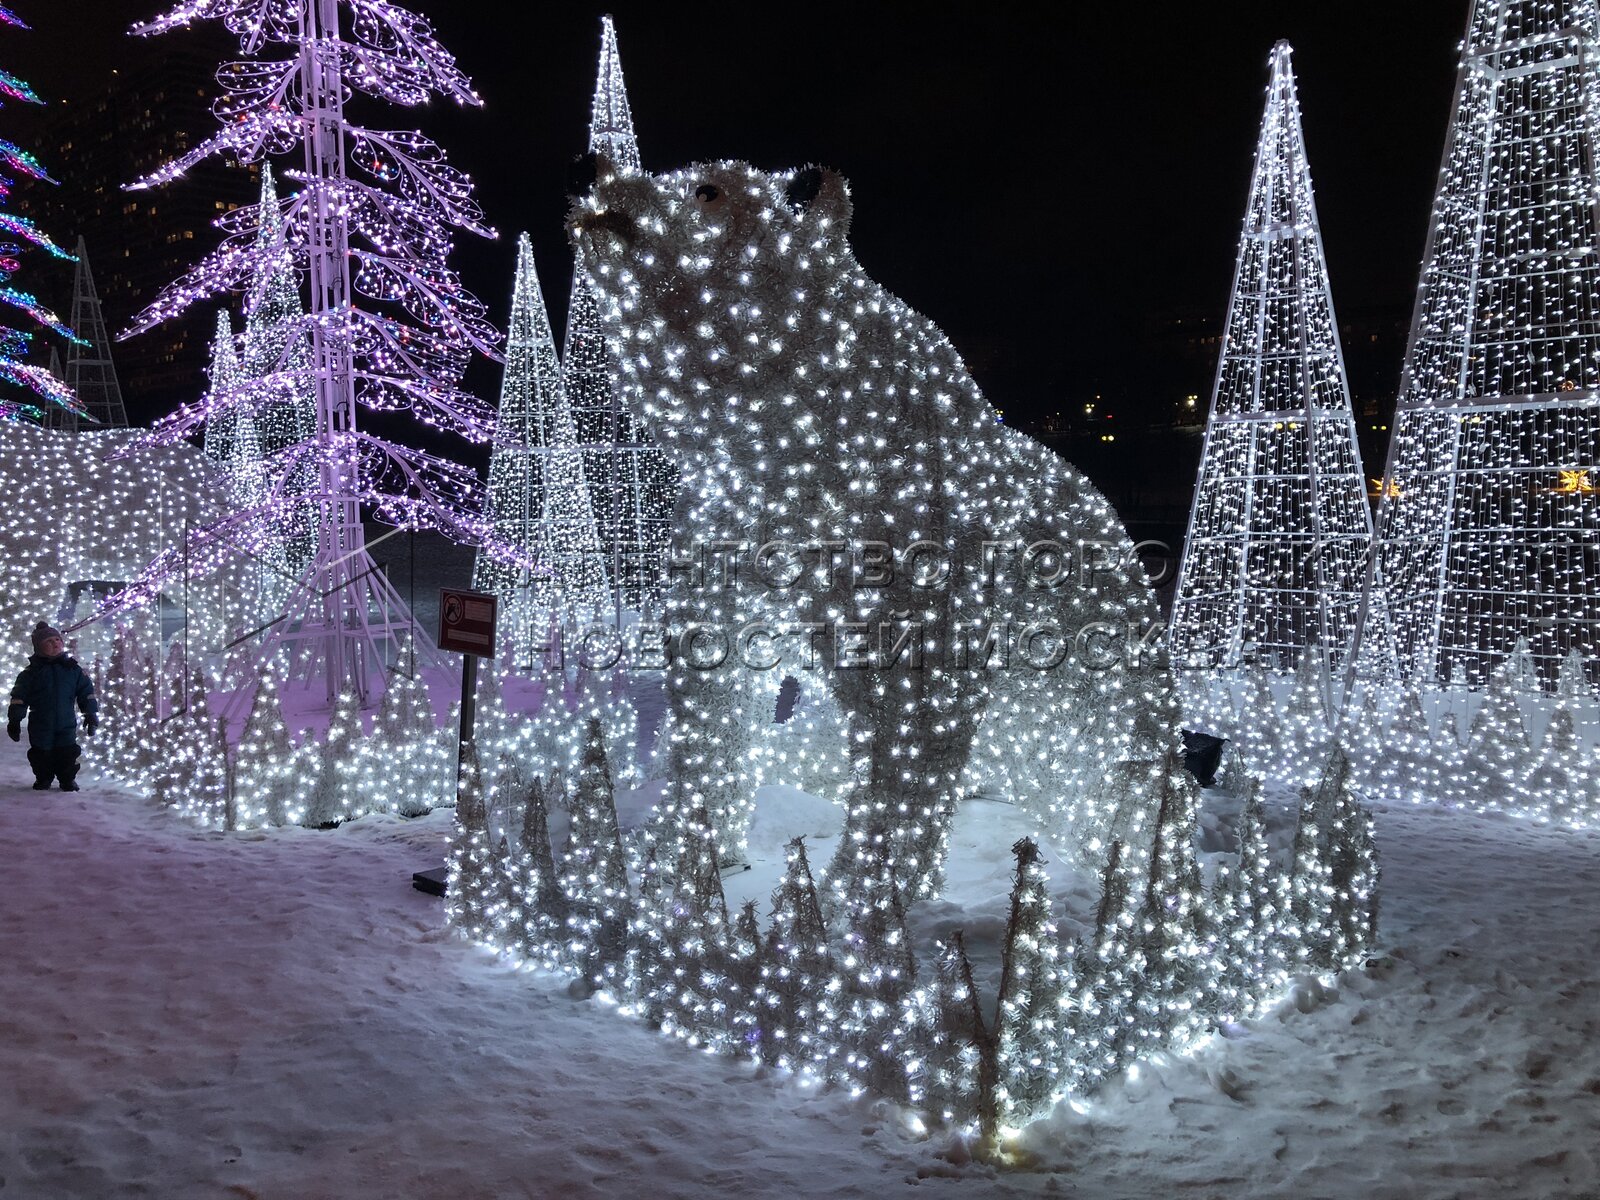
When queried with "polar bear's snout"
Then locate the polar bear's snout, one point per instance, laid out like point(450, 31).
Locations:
point(607, 220)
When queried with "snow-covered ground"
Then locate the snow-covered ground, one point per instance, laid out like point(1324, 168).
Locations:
point(280, 1015)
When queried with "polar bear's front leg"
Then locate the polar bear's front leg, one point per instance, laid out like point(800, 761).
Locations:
point(915, 734)
point(716, 719)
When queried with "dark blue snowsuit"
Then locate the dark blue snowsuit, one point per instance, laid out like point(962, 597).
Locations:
point(48, 691)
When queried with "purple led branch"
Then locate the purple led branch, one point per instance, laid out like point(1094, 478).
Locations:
point(387, 474)
point(402, 365)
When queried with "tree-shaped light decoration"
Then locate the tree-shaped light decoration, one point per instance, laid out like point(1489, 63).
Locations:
point(225, 377)
point(539, 926)
point(1486, 532)
point(1405, 762)
point(687, 984)
point(471, 878)
point(603, 697)
point(16, 234)
point(372, 224)
point(1353, 872)
point(1308, 934)
point(336, 789)
point(811, 750)
point(1573, 691)
point(800, 1025)
point(631, 481)
point(539, 498)
point(1559, 781)
point(1521, 671)
point(1305, 728)
point(261, 792)
point(1028, 1024)
point(957, 1061)
point(1106, 968)
point(1260, 729)
point(594, 877)
point(233, 449)
point(1172, 918)
point(277, 342)
point(1245, 926)
point(1280, 527)
point(277, 350)
point(202, 791)
point(413, 759)
point(1497, 744)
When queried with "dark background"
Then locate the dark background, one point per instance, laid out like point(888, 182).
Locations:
point(1062, 194)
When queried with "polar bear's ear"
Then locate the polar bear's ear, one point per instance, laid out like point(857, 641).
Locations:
point(817, 191)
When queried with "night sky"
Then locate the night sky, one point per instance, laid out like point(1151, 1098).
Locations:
point(1043, 189)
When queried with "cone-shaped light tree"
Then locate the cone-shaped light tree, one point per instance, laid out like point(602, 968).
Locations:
point(1487, 528)
point(17, 233)
point(277, 345)
point(233, 446)
point(277, 352)
point(372, 225)
point(1280, 527)
point(632, 482)
point(538, 497)
point(225, 377)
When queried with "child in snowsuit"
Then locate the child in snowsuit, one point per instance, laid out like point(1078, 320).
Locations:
point(46, 692)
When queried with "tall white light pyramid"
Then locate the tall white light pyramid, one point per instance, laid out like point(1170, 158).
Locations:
point(1490, 525)
point(1278, 537)
point(631, 481)
point(538, 497)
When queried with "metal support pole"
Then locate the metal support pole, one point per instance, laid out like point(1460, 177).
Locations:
point(187, 687)
point(469, 710)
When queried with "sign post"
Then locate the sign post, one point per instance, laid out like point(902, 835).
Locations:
point(466, 627)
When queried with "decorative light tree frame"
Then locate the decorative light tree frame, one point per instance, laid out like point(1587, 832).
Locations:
point(387, 241)
point(1489, 525)
point(1280, 530)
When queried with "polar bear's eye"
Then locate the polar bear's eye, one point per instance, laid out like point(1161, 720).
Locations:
point(707, 193)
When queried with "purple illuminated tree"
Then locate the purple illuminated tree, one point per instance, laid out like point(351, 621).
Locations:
point(372, 225)
point(16, 234)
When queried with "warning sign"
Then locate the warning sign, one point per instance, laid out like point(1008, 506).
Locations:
point(466, 622)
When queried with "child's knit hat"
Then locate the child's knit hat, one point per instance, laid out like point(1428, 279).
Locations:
point(42, 632)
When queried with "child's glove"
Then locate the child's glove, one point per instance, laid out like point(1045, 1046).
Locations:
point(15, 730)
point(90, 724)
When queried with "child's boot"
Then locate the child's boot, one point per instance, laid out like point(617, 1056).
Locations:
point(43, 769)
point(67, 768)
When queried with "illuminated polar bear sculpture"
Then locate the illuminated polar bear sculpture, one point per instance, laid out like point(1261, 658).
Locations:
point(808, 407)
